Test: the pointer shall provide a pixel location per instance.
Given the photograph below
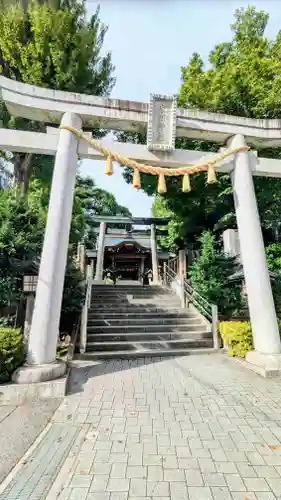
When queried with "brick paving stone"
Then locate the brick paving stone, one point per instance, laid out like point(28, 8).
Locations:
point(266, 496)
point(170, 462)
point(275, 486)
point(97, 496)
point(78, 494)
point(214, 479)
point(120, 484)
point(118, 470)
point(99, 483)
point(255, 458)
point(219, 455)
point(155, 473)
point(248, 495)
point(136, 472)
point(188, 463)
point(206, 465)
point(204, 493)
point(256, 484)
point(174, 475)
point(226, 467)
point(137, 487)
point(209, 431)
point(81, 481)
point(193, 478)
point(178, 491)
point(234, 482)
point(246, 470)
point(158, 489)
point(266, 471)
point(119, 496)
point(221, 493)
point(153, 460)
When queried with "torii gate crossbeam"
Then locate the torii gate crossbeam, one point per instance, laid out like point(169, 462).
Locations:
point(163, 122)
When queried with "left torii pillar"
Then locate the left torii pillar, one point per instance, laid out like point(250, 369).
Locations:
point(41, 364)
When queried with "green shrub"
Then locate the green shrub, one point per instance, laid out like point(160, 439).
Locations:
point(209, 276)
point(237, 335)
point(11, 352)
point(73, 298)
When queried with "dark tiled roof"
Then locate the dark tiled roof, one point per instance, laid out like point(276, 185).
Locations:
point(111, 241)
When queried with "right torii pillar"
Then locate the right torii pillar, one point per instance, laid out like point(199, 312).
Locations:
point(266, 358)
point(154, 258)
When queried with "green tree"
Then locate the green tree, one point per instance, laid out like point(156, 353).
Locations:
point(210, 274)
point(273, 255)
point(22, 225)
point(243, 78)
point(173, 240)
point(95, 201)
point(52, 45)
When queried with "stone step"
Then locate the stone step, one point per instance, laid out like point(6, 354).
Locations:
point(145, 315)
point(119, 296)
point(119, 329)
point(148, 345)
point(152, 324)
point(140, 310)
point(148, 336)
point(129, 297)
point(135, 309)
point(164, 320)
point(126, 286)
point(132, 291)
point(150, 305)
point(142, 353)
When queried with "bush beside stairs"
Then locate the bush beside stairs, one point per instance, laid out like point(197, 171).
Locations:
point(130, 321)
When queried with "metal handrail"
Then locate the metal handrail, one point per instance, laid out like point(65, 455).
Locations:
point(189, 295)
point(84, 317)
point(194, 292)
point(194, 297)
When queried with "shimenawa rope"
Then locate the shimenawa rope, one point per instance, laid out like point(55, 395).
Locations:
point(137, 167)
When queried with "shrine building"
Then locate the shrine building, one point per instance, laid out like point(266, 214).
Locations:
point(132, 251)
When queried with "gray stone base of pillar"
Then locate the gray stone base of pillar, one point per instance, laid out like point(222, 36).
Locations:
point(267, 365)
point(33, 374)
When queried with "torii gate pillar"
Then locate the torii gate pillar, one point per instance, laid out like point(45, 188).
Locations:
point(266, 357)
point(162, 119)
point(41, 355)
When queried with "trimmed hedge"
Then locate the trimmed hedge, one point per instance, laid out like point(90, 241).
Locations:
point(11, 352)
point(237, 335)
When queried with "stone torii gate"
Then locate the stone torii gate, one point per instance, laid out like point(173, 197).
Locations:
point(163, 122)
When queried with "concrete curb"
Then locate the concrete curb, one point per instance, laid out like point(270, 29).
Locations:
point(17, 394)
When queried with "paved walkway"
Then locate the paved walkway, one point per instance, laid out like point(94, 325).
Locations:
point(193, 428)
point(19, 427)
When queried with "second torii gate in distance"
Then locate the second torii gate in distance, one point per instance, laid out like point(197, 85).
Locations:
point(163, 122)
point(152, 222)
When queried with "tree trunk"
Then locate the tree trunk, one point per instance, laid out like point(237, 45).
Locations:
point(22, 171)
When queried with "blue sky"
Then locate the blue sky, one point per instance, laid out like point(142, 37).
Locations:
point(150, 40)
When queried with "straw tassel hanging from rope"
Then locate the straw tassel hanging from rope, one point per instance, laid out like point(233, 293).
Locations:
point(211, 179)
point(136, 179)
point(162, 189)
point(109, 166)
point(186, 183)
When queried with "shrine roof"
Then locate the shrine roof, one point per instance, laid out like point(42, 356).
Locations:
point(115, 240)
point(137, 221)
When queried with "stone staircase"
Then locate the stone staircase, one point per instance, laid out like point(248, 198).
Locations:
point(130, 320)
